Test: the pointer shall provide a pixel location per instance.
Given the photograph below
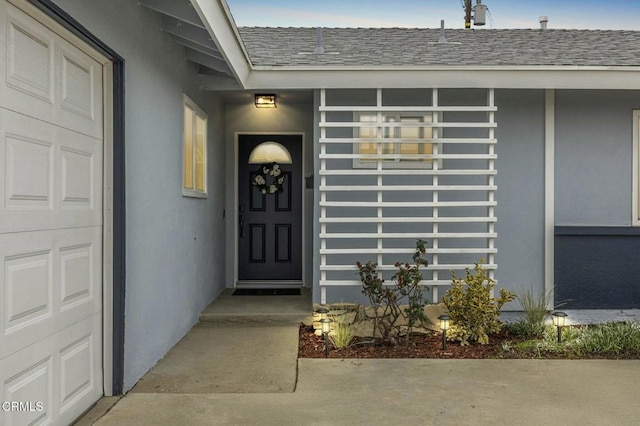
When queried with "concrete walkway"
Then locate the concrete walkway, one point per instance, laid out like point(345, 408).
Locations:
point(232, 369)
point(216, 358)
point(393, 392)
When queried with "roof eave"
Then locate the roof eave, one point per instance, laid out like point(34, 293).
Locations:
point(217, 19)
point(443, 67)
point(522, 77)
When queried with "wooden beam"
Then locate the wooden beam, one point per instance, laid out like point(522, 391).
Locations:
point(214, 53)
point(218, 21)
point(218, 82)
point(207, 61)
point(182, 10)
point(186, 31)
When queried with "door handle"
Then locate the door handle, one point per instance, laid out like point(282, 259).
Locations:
point(241, 220)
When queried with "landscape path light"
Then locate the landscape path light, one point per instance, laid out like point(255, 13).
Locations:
point(322, 312)
point(326, 328)
point(445, 320)
point(559, 320)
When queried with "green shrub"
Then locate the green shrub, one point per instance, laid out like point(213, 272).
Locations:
point(525, 329)
point(474, 313)
point(344, 330)
point(535, 305)
point(547, 342)
point(610, 339)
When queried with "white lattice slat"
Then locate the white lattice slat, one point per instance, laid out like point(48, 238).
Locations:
point(333, 188)
point(405, 172)
point(433, 284)
point(406, 219)
point(434, 140)
point(387, 157)
point(404, 109)
point(369, 125)
point(441, 267)
point(414, 235)
point(402, 204)
point(408, 251)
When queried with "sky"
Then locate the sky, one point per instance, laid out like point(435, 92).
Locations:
point(569, 14)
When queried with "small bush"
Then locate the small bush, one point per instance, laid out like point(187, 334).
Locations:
point(525, 329)
point(549, 341)
point(610, 339)
point(386, 300)
point(474, 313)
point(534, 305)
point(343, 331)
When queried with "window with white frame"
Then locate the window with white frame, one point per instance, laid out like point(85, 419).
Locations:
point(194, 176)
point(635, 196)
point(405, 145)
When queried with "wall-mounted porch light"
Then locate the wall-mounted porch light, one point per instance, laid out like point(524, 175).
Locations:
point(559, 320)
point(445, 320)
point(265, 100)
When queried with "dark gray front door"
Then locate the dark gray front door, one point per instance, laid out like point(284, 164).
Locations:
point(270, 226)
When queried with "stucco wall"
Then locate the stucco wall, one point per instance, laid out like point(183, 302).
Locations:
point(175, 245)
point(593, 156)
point(288, 117)
point(520, 194)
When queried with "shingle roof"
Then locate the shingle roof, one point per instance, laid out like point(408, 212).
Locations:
point(418, 46)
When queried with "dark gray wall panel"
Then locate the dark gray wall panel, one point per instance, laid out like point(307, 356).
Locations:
point(597, 267)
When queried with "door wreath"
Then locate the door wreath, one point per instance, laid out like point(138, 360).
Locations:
point(268, 178)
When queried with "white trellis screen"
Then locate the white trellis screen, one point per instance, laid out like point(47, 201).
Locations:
point(394, 173)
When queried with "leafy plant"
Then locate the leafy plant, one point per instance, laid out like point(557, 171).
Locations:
point(611, 339)
point(547, 342)
point(474, 313)
point(407, 280)
point(535, 305)
point(525, 329)
point(386, 300)
point(343, 330)
point(507, 346)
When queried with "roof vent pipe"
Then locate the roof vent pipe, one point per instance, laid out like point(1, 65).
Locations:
point(543, 22)
point(319, 50)
point(442, 38)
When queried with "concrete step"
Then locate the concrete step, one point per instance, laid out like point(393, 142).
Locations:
point(257, 310)
point(268, 318)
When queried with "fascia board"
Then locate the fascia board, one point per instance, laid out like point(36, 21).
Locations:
point(622, 78)
point(216, 17)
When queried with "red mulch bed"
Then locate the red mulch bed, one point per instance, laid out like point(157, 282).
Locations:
point(420, 346)
point(430, 346)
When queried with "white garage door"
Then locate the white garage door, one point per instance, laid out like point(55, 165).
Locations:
point(51, 183)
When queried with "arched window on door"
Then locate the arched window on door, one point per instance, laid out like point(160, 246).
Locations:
point(270, 152)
